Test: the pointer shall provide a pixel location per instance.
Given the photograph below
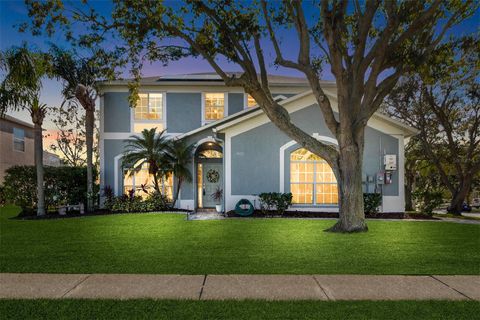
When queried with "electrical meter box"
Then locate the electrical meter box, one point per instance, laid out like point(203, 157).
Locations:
point(390, 162)
point(380, 178)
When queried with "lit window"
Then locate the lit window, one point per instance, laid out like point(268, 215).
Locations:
point(210, 154)
point(251, 102)
point(214, 106)
point(18, 139)
point(142, 182)
point(148, 113)
point(312, 180)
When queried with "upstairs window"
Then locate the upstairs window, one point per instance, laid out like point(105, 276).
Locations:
point(251, 102)
point(148, 113)
point(214, 106)
point(312, 180)
point(18, 139)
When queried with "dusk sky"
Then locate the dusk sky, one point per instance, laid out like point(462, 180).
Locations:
point(14, 12)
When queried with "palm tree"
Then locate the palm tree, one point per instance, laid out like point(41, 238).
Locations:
point(148, 148)
point(79, 77)
point(180, 156)
point(20, 89)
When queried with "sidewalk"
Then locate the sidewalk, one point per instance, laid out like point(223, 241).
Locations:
point(220, 287)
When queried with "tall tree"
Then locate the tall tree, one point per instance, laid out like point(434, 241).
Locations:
point(180, 155)
point(367, 47)
point(80, 77)
point(443, 103)
point(20, 89)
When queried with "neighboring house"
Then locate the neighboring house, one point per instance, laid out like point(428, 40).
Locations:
point(238, 148)
point(16, 144)
point(51, 159)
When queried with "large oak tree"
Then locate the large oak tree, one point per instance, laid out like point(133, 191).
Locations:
point(366, 45)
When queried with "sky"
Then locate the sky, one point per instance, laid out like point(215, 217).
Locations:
point(14, 12)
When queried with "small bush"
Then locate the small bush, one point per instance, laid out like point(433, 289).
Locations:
point(428, 200)
point(270, 201)
point(371, 202)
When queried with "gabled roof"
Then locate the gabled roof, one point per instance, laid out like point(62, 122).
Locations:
point(244, 115)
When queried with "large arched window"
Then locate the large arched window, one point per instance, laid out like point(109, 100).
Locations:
point(312, 180)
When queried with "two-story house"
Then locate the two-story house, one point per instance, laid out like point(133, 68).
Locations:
point(16, 144)
point(237, 148)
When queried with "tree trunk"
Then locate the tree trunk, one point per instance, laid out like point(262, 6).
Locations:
point(350, 190)
point(38, 142)
point(456, 204)
point(155, 182)
point(410, 178)
point(89, 126)
point(177, 192)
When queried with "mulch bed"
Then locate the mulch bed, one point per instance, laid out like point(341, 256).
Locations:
point(76, 214)
point(230, 214)
point(310, 214)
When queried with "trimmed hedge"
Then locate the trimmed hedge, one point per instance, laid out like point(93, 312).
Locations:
point(63, 185)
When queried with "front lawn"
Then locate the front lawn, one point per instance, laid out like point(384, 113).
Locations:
point(167, 309)
point(167, 243)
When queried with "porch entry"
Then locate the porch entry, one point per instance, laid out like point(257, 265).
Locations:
point(212, 179)
point(209, 175)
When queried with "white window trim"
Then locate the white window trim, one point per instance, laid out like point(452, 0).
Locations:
point(163, 121)
point(14, 138)
point(225, 106)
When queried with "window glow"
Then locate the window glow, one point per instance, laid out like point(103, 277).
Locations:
point(141, 181)
point(214, 106)
point(251, 102)
point(210, 154)
point(148, 113)
point(312, 180)
point(149, 106)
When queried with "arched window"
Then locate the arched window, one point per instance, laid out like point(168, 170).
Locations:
point(312, 180)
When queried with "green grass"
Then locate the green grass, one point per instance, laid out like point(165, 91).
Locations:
point(449, 215)
point(166, 243)
point(165, 309)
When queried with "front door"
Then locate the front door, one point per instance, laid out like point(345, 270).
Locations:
point(212, 179)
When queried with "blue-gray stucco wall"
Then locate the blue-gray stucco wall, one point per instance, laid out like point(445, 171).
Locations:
point(184, 112)
point(116, 112)
point(112, 148)
point(256, 154)
point(235, 102)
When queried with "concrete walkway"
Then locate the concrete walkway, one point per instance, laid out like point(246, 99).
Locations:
point(220, 287)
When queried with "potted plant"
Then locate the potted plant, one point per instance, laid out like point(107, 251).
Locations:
point(217, 196)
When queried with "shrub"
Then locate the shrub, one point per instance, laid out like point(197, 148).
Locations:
point(2, 195)
point(428, 200)
point(270, 201)
point(109, 196)
point(371, 202)
point(62, 185)
point(133, 203)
